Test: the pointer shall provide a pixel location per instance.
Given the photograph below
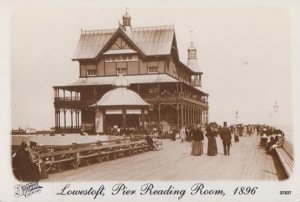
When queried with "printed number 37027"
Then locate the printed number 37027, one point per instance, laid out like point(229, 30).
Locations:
point(285, 192)
point(245, 190)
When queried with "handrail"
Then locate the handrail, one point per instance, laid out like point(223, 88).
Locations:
point(173, 95)
point(88, 148)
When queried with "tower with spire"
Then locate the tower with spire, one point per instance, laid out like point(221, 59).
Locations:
point(192, 63)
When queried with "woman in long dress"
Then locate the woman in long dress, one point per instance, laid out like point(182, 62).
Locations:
point(23, 162)
point(236, 135)
point(212, 149)
point(197, 145)
point(182, 134)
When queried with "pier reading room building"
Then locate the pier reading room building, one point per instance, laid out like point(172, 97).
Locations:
point(131, 76)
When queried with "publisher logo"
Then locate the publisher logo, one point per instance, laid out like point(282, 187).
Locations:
point(27, 190)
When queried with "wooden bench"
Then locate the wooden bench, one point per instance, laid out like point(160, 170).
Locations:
point(75, 156)
point(89, 156)
point(286, 160)
point(55, 164)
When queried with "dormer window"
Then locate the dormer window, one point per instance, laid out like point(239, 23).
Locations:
point(121, 58)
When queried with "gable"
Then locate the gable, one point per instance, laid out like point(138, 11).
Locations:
point(119, 43)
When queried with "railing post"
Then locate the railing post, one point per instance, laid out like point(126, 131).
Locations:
point(71, 118)
point(65, 118)
point(158, 113)
point(182, 114)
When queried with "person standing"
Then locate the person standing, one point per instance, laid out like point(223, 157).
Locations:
point(182, 134)
point(226, 138)
point(197, 145)
point(212, 149)
point(235, 133)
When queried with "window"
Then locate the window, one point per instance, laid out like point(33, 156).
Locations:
point(91, 72)
point(153, 90)
point(121, 68)
point(152, 70)
point(122, 71)
point(121, 58)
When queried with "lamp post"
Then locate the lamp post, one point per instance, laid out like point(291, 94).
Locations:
point(275, 108)
point(236, 116)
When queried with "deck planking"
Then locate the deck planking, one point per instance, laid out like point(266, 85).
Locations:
point(247, 161)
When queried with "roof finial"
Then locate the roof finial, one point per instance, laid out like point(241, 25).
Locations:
point(192, 37)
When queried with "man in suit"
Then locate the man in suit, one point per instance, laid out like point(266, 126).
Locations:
point(226, 138)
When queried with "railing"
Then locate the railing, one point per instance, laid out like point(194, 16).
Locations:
point(67, 99)
point(173, 97)
point(75, 101)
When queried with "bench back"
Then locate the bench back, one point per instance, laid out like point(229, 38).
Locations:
point(89, 148)
point(288, 147)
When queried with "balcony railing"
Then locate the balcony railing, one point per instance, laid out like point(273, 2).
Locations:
point(173, 97)
point(74, 101)
point(163, 97)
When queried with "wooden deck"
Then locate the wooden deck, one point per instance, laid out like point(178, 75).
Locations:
point(247, 161)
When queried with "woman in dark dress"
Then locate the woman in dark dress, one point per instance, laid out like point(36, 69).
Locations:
point(27, 169)
point(212, 145)
point(197, 145)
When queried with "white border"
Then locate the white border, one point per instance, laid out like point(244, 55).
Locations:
point(268, 190)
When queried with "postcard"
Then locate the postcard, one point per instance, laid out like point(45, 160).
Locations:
point(150, 101)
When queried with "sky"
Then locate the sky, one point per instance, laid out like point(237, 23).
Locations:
point(244, 53)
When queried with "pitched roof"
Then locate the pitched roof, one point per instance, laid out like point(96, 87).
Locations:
point(91, 43)
point(155, 40)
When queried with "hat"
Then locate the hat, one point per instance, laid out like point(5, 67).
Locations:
point(32, 144)
point(23, 144)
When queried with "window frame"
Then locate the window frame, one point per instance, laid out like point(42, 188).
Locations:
point(153, 72)
point(121, 58)
point(91, 70)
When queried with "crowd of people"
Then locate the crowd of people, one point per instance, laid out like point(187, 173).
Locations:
point(271, 138)
point(197, 134)
point(122, 131)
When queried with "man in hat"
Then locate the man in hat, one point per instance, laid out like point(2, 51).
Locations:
point(226, 138)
